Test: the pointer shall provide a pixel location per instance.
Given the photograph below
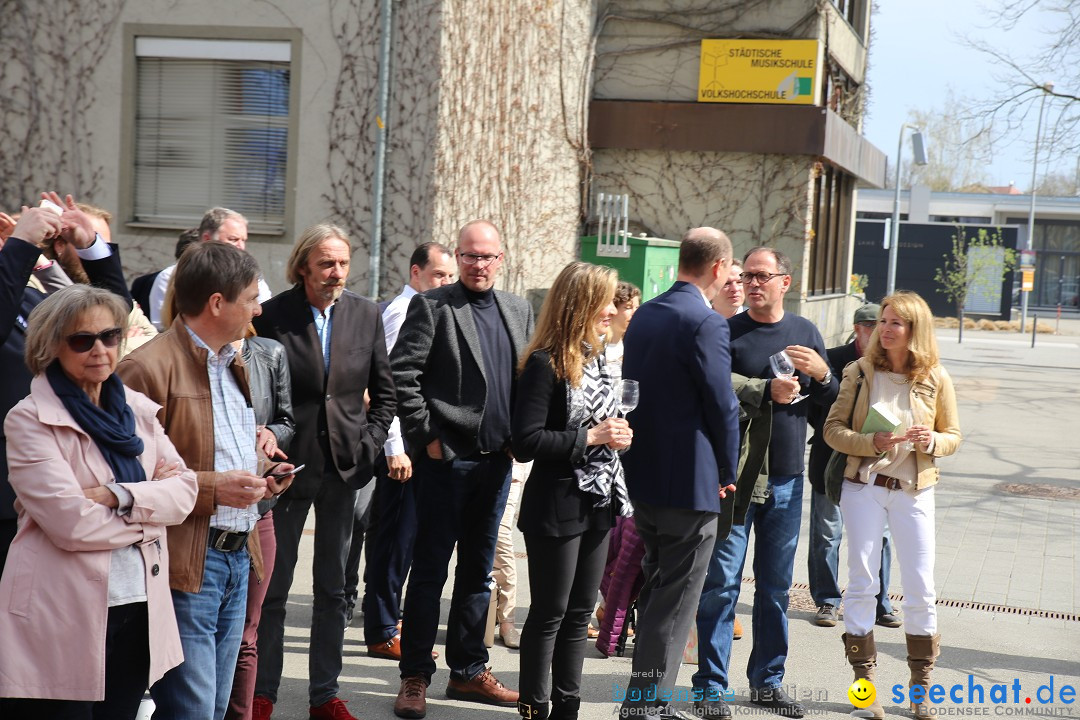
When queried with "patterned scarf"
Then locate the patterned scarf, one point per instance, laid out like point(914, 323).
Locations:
point(600, 472)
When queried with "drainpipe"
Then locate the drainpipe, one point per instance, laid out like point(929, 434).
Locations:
point(386, 16)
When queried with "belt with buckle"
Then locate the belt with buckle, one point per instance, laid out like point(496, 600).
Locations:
point(226, 540)
point(889, 483)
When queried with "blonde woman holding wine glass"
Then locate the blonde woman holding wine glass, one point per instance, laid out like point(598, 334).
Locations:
point(566, 418)
point(890, 478)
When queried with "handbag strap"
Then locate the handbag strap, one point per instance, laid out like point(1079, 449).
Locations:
point(858, 389)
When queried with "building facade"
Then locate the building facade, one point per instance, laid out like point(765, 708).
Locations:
point(156, 110)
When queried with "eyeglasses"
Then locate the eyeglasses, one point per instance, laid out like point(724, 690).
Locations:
point(481, 260)
point(83, 341)
point(761, 277)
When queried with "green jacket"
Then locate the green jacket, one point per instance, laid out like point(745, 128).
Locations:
point(755, 430)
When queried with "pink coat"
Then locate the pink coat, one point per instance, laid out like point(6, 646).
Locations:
point(54, 592)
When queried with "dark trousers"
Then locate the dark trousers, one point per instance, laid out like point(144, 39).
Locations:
point(333, 503)
point(553, 644)
point(127, 664)
point(8, 528)
point(391, 533)
point(678, 545)
point(361, 527)
point(247, 661)
point(458, 502)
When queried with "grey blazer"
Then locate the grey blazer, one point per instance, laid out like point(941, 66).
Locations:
point(439, 370)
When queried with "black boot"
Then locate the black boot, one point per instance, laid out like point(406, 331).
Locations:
point(534, 711)
point(565, 708)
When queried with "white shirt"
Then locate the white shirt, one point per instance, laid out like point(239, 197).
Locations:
point(161, 284)
point(393, 318)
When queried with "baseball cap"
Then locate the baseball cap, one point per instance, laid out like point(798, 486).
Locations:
point(867, 313)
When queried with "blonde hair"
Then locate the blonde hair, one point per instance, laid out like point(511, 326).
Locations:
point(923, 354)
point(55, 317)
point(568, 319)
point(308, 242)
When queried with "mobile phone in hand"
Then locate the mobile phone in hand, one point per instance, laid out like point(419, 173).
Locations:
point(281, 474)
point(50, 205)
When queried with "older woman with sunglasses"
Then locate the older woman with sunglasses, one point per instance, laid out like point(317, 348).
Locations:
point(86, 616)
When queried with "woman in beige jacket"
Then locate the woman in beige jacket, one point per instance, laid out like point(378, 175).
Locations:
point(889, 479)
point(86, 615)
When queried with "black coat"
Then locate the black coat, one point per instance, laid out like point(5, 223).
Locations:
point(439, 370)
point(329, 410)
point(838, 358)
point(17, 260)
point(551, 503)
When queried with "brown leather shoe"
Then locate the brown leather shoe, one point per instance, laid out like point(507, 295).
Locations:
point(483, 688)
point(389, 650)
point(736, 633)
point(412, 697)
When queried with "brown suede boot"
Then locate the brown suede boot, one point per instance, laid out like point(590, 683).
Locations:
point(922, 651)
point(862, 654)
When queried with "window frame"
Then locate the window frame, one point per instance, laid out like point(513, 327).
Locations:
point(129, 80)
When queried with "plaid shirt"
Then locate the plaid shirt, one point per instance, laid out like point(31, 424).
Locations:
point(234, 433)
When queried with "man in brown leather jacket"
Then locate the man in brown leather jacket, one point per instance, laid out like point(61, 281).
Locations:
point(201, 383)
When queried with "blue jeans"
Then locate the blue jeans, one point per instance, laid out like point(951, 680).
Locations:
point(826, 531)
point(776, 533)
point(458, 502)
point(211, 623)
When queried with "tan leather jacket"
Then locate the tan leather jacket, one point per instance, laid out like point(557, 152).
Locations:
point(933, 403)
point(171, 371)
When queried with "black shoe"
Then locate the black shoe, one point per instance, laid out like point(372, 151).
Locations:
point(778, 701)
point(712, 709)
point(889, 620)
point(666, 712)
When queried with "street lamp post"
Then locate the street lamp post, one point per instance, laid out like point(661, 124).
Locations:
point(1046, 88)
point(918, 151)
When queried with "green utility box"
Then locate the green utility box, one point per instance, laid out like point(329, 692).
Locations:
point(650, 263)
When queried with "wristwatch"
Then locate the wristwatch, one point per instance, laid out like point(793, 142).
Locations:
point(827, 379)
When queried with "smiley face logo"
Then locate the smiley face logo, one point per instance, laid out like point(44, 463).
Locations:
point(862, 693)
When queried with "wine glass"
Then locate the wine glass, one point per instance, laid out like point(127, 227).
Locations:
point(629, 394)
point(782, 367)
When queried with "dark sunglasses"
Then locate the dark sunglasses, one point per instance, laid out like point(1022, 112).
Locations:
point(83, 341)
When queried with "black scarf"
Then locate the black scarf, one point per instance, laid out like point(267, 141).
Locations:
point(111, 426)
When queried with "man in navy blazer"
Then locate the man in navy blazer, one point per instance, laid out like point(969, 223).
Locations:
point(684, 458)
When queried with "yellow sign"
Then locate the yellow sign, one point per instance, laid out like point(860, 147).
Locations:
point(785, 72)
point(1027, 283)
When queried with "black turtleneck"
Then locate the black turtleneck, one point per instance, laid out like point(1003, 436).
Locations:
point(498, 357)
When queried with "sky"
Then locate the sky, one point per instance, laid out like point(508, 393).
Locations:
point(918, 53)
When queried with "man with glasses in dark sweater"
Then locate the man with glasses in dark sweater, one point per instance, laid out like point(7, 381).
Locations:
point(762, 331)
point(454, 369)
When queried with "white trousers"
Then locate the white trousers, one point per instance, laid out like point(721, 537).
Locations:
point(866, 510)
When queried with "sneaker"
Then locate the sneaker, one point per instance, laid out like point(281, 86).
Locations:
point(261, 708)
point(736, 630)
point(889, 620)
point(827, 616)
point(483, 688)
point(412, 697)
point(332, 709)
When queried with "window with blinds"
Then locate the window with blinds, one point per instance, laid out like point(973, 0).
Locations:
point(211, 129)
